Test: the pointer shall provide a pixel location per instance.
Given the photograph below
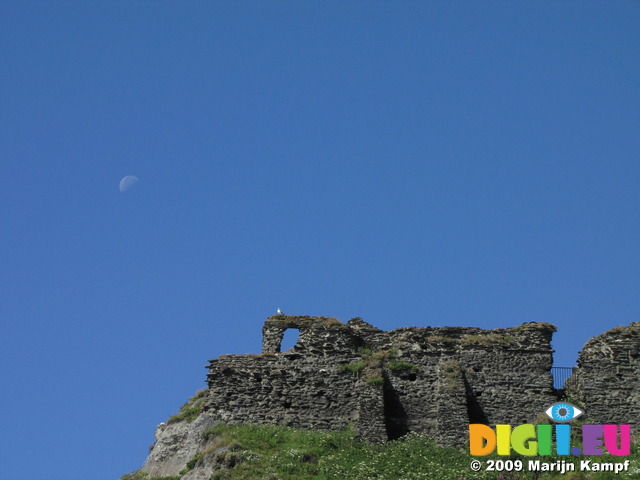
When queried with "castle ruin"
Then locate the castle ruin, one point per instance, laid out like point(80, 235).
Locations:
point(384, 384)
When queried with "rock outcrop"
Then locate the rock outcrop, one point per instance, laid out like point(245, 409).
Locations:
point(176, 444)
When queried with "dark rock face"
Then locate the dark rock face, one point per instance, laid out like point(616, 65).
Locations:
point(607, 379)
point(386, 384)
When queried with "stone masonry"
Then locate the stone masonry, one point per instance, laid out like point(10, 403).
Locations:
point(606, 382)
point(386, 384)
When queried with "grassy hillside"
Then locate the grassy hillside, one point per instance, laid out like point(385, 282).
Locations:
point(279, 453)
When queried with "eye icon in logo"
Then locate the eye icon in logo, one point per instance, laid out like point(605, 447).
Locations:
point(563, 412)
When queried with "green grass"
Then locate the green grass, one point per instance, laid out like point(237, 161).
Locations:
point(374, 380)
point(135, 476)
point(279, 453)
point(364, 352)
point(355, 368)
point(267, 452)
point(373, 362)
point(145, 476)
point(400, 366)
point(303, 321)
point(190, 410)
point(487, 340)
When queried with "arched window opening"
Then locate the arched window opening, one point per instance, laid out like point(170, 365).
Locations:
point(290, 339)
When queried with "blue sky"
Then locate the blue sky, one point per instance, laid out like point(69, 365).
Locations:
point(411, 163)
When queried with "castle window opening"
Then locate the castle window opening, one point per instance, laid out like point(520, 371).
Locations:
point(290, 339)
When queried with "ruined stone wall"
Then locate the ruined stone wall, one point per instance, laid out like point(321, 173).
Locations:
point(606, 382)
point(490, 371)
point(288, 389)
point(386, 384)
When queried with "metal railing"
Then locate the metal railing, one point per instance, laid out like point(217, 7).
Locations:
point(560, 376)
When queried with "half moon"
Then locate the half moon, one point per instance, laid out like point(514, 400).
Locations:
point(127, 182)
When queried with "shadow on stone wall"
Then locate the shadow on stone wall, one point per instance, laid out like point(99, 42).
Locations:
point(474, 409)
point(396, 419)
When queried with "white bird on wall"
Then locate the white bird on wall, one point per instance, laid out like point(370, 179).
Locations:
point(279, 312)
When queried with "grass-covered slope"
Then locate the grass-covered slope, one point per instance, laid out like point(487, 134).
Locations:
point(267, 452)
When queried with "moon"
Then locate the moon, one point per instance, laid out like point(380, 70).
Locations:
point(127, 182)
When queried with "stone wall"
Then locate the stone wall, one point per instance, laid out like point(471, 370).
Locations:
point(386, 384)
point(606, 382)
